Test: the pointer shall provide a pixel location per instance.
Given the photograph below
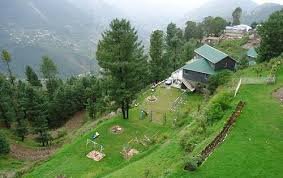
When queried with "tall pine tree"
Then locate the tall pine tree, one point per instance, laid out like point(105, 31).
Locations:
point(32, 78)
point(158, 65)
point(122, 57)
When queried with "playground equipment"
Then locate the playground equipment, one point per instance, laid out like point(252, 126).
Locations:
point(96, 135)
point(95, 154)
point(116, 129)
point(129, 152)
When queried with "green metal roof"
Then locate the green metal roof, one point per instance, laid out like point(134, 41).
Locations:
point(210, 53)
point(200, 65)
point(252, 53)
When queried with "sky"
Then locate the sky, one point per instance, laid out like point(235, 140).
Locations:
point(165, 6)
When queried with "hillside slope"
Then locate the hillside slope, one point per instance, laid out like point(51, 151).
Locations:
point(60, 29)
point(252, 12)
point(252, 149)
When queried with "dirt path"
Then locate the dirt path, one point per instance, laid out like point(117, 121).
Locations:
point(34, 154)
point(75, 122)
point(29, 154)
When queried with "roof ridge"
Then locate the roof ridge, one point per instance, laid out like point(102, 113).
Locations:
point(210, 53)
point(217, 49)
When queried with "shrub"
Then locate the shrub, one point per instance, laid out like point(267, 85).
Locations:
point(4, 145)
point(189, 140)
point(215, 81)
point(217, 106)
point(244, 63)
point(183, 120)
point(214, 112)
point(192, 162)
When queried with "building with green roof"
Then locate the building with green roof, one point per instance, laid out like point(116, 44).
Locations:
point(252, 55)
point(207, 61)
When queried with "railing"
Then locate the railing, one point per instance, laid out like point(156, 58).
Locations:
point(258, 80)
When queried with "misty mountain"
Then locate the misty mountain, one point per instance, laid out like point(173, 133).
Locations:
point(261, 13)
point(223, 8)
point(60, 29)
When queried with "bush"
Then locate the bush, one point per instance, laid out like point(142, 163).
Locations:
point(215, 81)
point(4, 145)
point(183, 120)
point(189, 140)
point(192, 162)
point(215, 112)
point(217, 106)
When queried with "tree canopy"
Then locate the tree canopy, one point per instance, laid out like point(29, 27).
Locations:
point(237, 13)
point(158, 64)
point(271, 33)
point(122, 57)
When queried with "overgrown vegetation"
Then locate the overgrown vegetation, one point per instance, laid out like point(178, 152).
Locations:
point(4, 145)
point(218, 79)
point(30, 108)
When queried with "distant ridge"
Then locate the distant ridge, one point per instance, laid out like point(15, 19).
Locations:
point(223, 8)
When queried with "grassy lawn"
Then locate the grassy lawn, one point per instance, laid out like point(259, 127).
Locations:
point(166, 96)
point(252, 149)
point(71, 159)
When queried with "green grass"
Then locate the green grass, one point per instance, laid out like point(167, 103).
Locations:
point(233, 48)
point(71, 159)
point(9, 164)
point(163, 104)
point(254, 147)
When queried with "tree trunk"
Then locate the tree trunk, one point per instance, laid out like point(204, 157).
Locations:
point(127, 110)
point(123, 110)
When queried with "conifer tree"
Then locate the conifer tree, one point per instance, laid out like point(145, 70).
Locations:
point(32, 78)
point(174, 41)
point(122, 57)
point(271, 33)
point(158, 65)
point(237, 13)
point(6, 57)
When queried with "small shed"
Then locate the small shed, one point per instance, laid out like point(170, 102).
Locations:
point(252, 55)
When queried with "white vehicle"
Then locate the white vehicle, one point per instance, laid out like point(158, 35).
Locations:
point(168, 81)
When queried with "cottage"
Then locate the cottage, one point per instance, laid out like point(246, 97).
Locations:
point(207, 61)
point(252, 55)
point(238, 31)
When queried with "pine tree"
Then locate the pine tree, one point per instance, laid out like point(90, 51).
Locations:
point(158, 65)
point(271, 33)
point(4, 145)
point(48, 68)
point(7, 113)
point(174, 41)
point(32, 78)
point(22, 128)
point(191, 30)
point(237, 13)
point(121, 56)
point(49, 72)
point(40, 123)
point(6, 57)
point(90, 107)
point(188, 50)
